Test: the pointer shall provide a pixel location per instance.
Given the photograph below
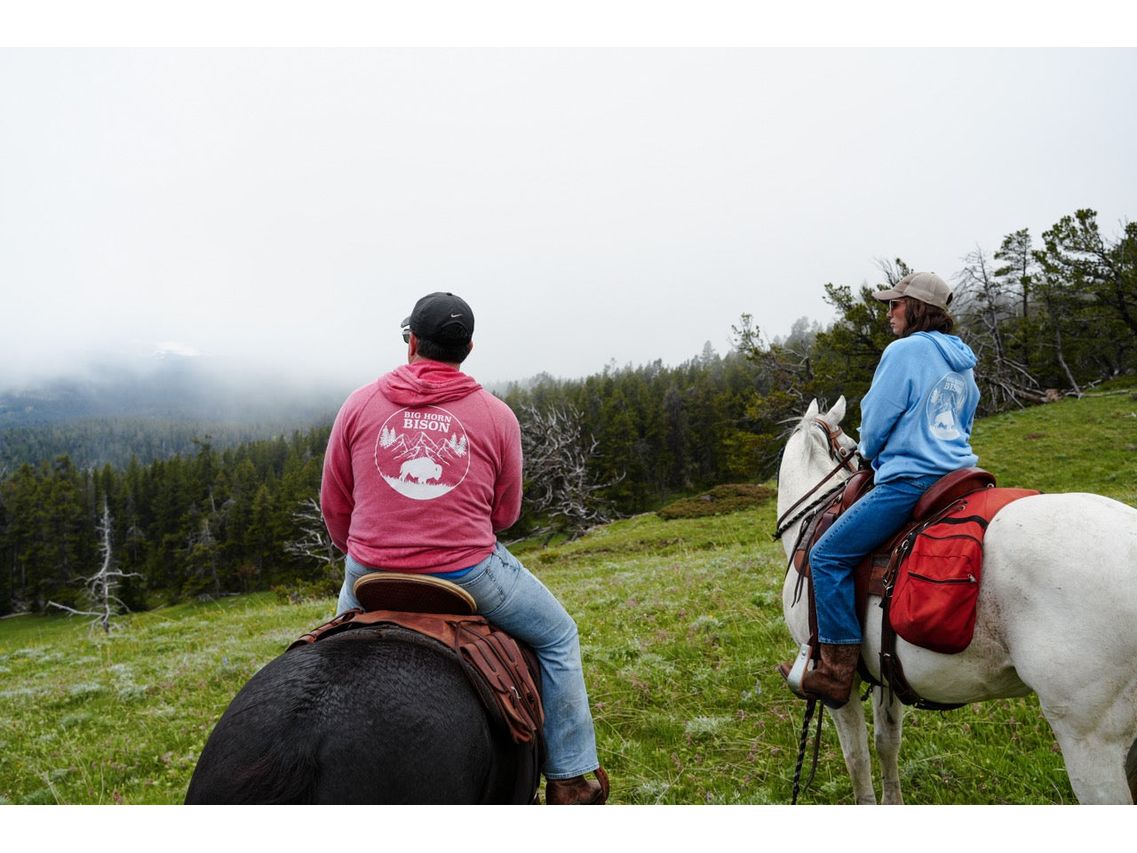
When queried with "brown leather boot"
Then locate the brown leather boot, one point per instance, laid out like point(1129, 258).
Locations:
point(578, 791)
point(831, 680)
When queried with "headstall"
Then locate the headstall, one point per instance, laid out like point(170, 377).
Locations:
point(844, 460)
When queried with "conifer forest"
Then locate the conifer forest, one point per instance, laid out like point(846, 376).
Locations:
point(1048, 317)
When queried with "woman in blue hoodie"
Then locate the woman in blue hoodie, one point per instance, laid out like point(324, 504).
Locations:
point(916, 424)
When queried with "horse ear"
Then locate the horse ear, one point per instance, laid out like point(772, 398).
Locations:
point(837, 413)
point(812, 411)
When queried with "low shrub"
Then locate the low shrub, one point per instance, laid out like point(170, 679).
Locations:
point(720, 500)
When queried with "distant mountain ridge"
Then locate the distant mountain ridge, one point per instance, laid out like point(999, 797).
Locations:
point(175, 388)
point(156, 411)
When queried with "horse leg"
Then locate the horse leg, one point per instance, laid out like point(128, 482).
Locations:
point(888, 724)
point(1091, 705)
point(854, 737)
point(1096, 769)
point(1095, 731)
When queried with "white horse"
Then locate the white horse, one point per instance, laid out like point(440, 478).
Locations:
point(1057, 615)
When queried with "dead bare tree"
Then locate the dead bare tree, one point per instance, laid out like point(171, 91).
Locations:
point(559, 485)
point(201, 548)
point(893, 270)
point(1051, 299)
point(102, 586)
point(313, 543)
point(985, 305)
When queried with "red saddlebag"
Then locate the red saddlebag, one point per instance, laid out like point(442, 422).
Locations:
point(937, 583)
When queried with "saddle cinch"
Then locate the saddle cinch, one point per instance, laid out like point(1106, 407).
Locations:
point(504, 673)
point(927, 575)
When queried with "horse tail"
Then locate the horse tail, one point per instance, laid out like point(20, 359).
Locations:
point(1131, 770)
point(279, 777)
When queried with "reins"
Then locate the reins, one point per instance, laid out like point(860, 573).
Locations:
point(810, 705)
point(784, 523)
point(844, 460)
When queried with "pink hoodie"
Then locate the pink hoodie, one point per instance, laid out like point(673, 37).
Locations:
point(423, 467)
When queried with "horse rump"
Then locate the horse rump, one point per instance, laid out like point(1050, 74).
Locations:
point(362, 717)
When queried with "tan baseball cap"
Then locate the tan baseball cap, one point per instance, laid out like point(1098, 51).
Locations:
point(925, 286)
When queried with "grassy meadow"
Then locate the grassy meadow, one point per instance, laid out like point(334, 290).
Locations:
point(680, 624)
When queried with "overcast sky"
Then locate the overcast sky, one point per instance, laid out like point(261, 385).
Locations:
point(283, 209)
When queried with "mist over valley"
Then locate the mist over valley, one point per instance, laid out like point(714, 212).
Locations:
point(153, 408)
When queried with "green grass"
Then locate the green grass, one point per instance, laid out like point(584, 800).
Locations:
point(680, 625)
point(1071, 446)
point(95, 719)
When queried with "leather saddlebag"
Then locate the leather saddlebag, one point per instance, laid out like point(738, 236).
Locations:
point(937, 586)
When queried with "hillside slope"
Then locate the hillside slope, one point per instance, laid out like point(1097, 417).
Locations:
point(680, 626)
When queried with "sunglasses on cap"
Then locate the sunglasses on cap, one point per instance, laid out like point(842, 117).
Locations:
point(406, 334)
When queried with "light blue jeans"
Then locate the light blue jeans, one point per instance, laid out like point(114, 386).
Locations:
point(510, 597)
point(865, 526)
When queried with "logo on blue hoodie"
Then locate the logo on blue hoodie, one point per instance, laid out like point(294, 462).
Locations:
point(945, 406)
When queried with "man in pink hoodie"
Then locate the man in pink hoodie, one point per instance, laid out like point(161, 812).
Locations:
point(423, 468)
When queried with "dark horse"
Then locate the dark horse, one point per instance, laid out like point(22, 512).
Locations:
point(365, 716)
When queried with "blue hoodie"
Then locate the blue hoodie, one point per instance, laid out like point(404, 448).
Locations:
point(916, 419)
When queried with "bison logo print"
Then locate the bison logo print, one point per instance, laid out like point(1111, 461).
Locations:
point(945, 407)
point(423, 452)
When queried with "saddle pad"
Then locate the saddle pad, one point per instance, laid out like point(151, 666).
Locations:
point(936, 587)
point(491, 658)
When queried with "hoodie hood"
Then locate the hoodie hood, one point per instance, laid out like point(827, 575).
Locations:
point(426, 382)
point(957, 354)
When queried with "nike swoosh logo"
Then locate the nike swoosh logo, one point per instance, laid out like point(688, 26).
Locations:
point(452, 316)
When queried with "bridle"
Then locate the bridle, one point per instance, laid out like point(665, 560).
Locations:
point(845, 460)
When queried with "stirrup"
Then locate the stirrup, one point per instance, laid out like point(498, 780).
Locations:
point(798, 670)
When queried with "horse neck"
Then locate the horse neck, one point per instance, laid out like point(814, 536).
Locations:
point(801, 471)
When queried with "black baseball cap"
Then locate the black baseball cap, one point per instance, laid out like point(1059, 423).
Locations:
point(443, 318)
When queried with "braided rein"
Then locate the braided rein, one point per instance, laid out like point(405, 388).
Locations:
point(844, 460)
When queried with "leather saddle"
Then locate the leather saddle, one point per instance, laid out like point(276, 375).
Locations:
point(871, 571)
point(504, 673)
point(873, 574)
point(413, 594)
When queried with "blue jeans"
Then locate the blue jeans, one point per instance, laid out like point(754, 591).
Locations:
point(510, 597)
point(865, 526)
